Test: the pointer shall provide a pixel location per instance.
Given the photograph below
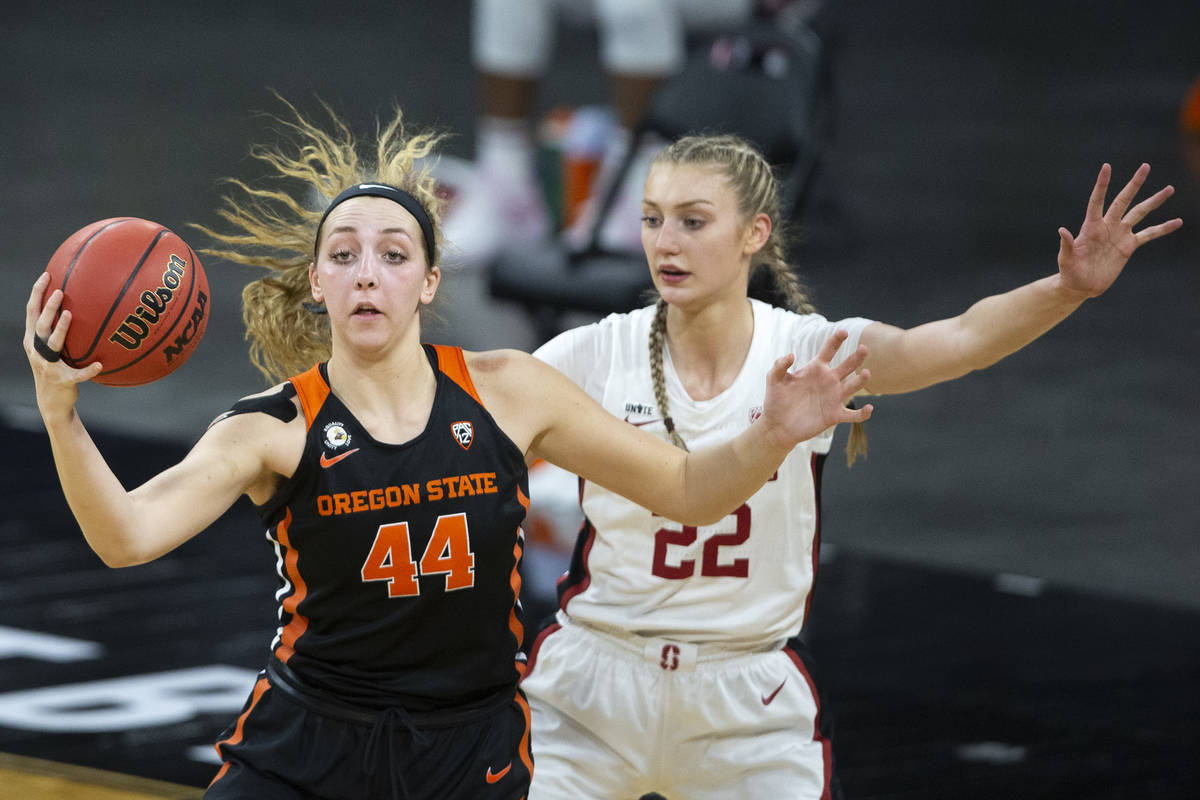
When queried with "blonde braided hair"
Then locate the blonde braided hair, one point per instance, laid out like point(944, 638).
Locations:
point(757, 191)
point(658, 330)
point(275, 231)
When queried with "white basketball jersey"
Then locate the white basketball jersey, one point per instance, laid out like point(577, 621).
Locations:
point(744, 581)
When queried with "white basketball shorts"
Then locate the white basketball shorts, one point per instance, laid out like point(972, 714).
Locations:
point(622, 716)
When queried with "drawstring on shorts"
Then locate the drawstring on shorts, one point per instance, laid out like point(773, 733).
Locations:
point(382, 735)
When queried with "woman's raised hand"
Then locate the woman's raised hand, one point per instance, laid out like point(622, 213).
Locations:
point(1090, 261)
point(801, 404)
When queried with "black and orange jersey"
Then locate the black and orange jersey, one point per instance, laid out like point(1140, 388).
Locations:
point(398, 562)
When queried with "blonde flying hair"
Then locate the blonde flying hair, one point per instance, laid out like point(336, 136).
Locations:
point(274, 230)
point(757, 191)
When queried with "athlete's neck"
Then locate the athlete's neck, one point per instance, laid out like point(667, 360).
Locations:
point(708, 347)
point(390, 397)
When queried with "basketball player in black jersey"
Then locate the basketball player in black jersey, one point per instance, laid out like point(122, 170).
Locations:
point(391, 478)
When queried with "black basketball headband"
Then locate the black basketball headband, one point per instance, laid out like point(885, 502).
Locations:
point(410, 204)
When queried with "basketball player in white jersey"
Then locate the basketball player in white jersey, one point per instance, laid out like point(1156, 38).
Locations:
point(674, 664)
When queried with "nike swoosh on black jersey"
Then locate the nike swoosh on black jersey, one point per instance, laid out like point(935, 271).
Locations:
point(327, 462)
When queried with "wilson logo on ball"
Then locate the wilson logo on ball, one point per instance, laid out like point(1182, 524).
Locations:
point(136, 326)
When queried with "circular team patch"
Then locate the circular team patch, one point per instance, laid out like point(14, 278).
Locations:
point(336, 435)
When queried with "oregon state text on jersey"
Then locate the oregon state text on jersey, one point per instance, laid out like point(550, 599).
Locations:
point(398, 562)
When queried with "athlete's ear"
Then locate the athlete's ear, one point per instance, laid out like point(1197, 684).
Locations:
point(433, 277)
point(314, 287)
point(757, 234)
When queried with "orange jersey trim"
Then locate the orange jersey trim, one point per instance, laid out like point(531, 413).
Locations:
point(312, 390)
point(260, 688)
point(523, 748)
point(514, 624)
point(299, 623)
point(452, 362)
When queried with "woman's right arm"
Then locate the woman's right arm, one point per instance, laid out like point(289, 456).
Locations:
point(127, 528)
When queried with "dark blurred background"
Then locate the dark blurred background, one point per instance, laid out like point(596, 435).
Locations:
point(965, 134)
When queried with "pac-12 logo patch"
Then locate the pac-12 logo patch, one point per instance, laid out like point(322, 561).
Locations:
point(336, 435)
point(464, 434)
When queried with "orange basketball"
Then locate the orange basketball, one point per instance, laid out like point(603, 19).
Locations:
point(138, 298)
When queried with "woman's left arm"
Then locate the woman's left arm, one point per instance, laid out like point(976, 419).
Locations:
point(1088, 263)
point(548, 416)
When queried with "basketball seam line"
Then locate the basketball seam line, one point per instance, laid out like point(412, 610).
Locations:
point(121, 296)
point(187, 301)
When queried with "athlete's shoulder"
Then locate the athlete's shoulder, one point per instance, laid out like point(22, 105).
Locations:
point(279, 402)
point(264, 429)
point(784, 317)
point(505, 369)
point(637, 320)
point(495, 360)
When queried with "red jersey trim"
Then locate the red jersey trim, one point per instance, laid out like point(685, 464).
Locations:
point(826, 745)
point(537, 645)
point(816, 546)
point(586, 581)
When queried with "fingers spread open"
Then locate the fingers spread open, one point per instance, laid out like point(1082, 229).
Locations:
point(855, 383)
point(852, 363)
point(830, 348)
point(858, 414)
point(1125, 196)
point(780, 367)
point(1139, 212)
point(1095, 206)
point(1156, 231)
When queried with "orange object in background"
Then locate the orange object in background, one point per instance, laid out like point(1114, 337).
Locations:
point(1189, 130)
point(579, 172)
point(1189, 112)
point(588, 134)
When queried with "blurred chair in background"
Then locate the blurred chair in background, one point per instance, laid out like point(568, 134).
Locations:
point(767, 80)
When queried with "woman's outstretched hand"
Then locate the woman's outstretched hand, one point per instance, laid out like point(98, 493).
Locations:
point(1091, 260)
point(801, 404)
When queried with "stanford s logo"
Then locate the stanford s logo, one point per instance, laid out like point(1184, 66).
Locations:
point(464, 434)
point(670, 657)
